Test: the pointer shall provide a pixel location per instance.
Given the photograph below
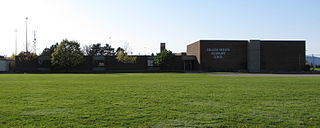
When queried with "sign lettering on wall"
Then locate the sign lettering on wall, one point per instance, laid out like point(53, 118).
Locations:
point(218, 53)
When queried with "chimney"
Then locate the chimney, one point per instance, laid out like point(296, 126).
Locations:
point(162, 46)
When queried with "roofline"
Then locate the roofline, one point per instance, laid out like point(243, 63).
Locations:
point(194, 42)
point(224, 40)
point(285, 40)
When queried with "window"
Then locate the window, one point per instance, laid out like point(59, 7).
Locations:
point(150, 63)
point(99, 63)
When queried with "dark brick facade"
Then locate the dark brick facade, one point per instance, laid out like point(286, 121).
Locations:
point(219, 55)
point(100, 64)
point(232, 55)
point(282, 56)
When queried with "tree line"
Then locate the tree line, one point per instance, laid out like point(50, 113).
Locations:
point(68, 54)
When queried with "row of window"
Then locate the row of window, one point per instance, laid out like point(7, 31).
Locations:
point(101, 63)
point(97, 63)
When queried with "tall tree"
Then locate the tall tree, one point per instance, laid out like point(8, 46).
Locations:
point(67, 55)
point(98, 50)
point(26, 57)
point(107, 50)
point(165, 58)
point(86, 49)
point(122, 56)
point(25, 62)
point(49, 51)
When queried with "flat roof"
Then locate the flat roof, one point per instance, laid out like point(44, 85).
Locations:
point(225, 40)
point(222, 40)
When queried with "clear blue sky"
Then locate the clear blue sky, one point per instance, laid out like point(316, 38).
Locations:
point(146, 23)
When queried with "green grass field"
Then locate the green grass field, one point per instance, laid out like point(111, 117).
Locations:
point(157, 100)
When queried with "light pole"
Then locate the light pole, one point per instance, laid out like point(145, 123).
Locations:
point(26, 34)
point(15, 41)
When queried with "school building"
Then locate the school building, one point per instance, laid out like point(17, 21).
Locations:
point(201, 56)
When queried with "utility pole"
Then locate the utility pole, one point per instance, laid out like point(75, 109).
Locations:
point(26, 34)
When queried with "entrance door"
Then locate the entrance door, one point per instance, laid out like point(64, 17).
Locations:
point(188, 65)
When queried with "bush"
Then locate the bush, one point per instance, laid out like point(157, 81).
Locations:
point(307, 67)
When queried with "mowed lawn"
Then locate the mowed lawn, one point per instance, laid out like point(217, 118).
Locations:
point(157, 100)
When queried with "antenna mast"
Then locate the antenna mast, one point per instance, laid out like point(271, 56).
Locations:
point(34, 42)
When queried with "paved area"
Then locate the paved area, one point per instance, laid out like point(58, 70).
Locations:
point(267, 75)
